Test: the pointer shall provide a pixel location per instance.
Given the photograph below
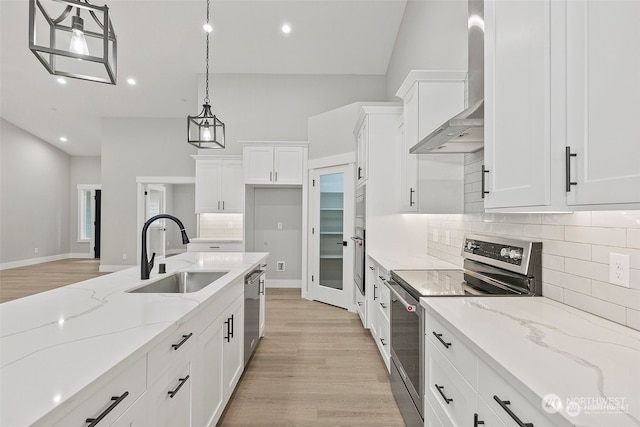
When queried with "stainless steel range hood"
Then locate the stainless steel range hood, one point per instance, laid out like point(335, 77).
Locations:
point(464, 133)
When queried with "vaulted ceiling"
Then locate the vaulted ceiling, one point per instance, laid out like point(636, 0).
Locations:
point(162, 45)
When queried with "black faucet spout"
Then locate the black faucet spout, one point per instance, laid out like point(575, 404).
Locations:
point(145, 264)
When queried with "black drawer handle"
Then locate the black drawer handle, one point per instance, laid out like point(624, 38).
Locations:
point(440, 388)
point(383, 342)
point(359, 304)
point(228, 323)
point(116, 402)
point(232, 326)
point(371, 268)
point(184, 340)
point(503, 404)
point(444, 343)
point(375, 297)
point(567, 157)
point(383, 305)
point(476, 421)
point(482, 190)
point(182, 381)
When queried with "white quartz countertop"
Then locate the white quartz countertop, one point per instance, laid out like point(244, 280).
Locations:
point(408, 261)
point(555, 349)
point(56, 343)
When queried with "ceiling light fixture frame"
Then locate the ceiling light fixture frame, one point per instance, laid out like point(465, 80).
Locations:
point(55, 31)
point(205, 130)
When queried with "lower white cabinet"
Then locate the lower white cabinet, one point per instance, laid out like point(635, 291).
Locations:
point(361, 306)
point(170, 396)
point(263, 300)
point(378, 307)
point(215, 246)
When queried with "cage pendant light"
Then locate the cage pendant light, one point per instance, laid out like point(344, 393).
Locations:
point(73, 39)
point(205, 130)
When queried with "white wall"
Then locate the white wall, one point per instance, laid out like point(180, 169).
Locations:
point(432, 36)
point(34, 196)
point(181, 201)
point(83, 170)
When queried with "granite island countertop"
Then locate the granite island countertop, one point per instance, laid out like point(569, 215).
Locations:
point(55, 344)
point(552, 348)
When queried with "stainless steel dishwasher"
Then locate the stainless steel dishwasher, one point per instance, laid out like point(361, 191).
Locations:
point(252, 290)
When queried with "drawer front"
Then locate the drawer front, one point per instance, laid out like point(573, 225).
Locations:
point(430, 417)
point(491, 384)
point(171, 395)
point(179, 342)
point(384, 303)
point(361, 306)
point(215, 247)
point(384, 341)
point(112, 399)
point(450, 395)
point(461, 356)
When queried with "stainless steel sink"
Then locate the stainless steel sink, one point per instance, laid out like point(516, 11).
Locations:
point(181, 282)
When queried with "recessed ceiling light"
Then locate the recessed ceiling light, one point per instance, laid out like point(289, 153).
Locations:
point(131, 81)
point(61, 81)
point(207, 27)
point(63, 138)
point(286, 28)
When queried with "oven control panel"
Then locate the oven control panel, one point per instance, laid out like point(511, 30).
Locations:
point(496, 251)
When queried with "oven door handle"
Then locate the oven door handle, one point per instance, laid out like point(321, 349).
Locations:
point(410, 307)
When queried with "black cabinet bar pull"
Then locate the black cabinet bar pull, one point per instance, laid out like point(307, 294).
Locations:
point(232, 326)
point(484, 171)
point(383, 305)
point(184, 339)
point(374, 292)
point(116, 402)
point(359, 304)
point(411, 202)
point(359, 174)
point(567, 170)
point(440, 388)
point(223, 205)
point(503, 404)
point(228, 337)
point(382, 341)
point(182, 381)
point(476, 421)
point(371, 268)
point(444, 343)
point(218, 204)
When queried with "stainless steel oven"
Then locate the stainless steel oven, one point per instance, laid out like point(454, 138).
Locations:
point(359, 251)
point(493, 266)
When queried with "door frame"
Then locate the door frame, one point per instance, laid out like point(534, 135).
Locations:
point(321, 168)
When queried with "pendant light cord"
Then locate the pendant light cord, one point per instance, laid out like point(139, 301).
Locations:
point(206, 96)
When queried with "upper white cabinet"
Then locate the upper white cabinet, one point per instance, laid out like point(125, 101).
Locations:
point(270, 163)
point(219, 185)
point(429, 99)
point(603, 88)
point(560, 105)
point(362, 141)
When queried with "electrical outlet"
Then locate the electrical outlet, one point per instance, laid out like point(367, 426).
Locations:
point(279, 226)
point(124, 257)
point(447, 238)
point(35, 250)
point(435, 236)
point(619, 269)
point(280, 266)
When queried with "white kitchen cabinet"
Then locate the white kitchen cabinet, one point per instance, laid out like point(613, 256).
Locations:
point(214, 246)
point(378, 306)
point(233, 346)
point(602, 101)
point(560, 105)
point(361, 306)
point(170, 396)
point(110, 400)
point(219, 186)
point(211, 400)
point(429, 99)
point(274, 164)
point(362, 142)
point(137, 415)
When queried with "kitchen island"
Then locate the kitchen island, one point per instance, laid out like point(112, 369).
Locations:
point(60, 347)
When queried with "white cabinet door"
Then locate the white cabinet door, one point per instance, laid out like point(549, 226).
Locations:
point(232, 187)
point(288, 165)
point(258, 165)
point(208, 185)
point(233, 346)
point(517, 103)
point(170, 397)
point(409, 162)
point(362, 146)
point(210, 398)
point(603, 88)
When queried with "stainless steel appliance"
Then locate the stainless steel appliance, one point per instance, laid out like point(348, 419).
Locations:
point(359, 240)
point(253, 288)
point(493, 266)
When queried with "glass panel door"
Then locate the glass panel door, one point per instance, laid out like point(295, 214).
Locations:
point(331, 230)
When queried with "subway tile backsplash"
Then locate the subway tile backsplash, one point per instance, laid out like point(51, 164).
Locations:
point(575, 254)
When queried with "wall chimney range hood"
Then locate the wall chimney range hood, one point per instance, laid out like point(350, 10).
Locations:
point(464, 133)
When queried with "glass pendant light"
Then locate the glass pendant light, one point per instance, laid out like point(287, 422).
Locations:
point(68, 45)
point(205, 130)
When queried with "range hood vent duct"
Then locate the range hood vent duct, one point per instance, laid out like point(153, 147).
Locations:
point(464, 133)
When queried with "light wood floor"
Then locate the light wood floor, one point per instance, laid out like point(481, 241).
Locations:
point(32, 279)
point(316, 366)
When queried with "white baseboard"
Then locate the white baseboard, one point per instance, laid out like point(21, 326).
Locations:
point(32, 261)
point(273, 283)
point(113, 268)
point(81, 255)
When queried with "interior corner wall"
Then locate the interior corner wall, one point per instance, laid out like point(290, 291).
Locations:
point(34, 196)
point(134, 147)
point(84, 170)
point(432, 36)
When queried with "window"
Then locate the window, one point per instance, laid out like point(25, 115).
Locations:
point(85, 211)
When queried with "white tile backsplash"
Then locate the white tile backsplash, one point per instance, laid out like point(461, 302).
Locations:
point(575, 254)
